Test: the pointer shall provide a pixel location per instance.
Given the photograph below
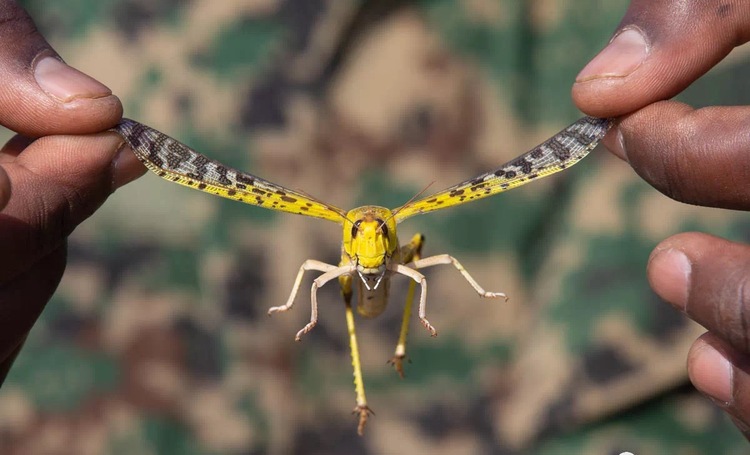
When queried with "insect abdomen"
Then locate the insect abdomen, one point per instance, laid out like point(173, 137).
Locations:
point(371, 303)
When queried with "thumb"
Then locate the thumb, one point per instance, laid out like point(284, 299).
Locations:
point(659, 48)
point(40, 94)
point(4, 188)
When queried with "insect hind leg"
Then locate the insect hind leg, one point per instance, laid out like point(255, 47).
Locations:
point(361, 409)
point(412, 251)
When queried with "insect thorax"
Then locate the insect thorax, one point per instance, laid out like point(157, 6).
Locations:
point(370, 242)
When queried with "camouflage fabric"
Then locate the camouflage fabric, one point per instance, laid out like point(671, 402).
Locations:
point(157, 339)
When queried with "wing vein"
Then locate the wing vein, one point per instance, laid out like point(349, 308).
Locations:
point(559, 152)
point(178, 163)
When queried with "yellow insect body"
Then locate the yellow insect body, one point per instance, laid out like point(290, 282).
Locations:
point(370, 236)
point(370, 249)
point(370, 243)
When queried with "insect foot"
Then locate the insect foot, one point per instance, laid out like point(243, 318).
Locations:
point(398, 363)
point(428, 326)
point(305, 329)
point(364, 412)
point(492, 295)
point(277, 309)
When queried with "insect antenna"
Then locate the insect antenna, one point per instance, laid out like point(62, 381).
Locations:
point(410, 201)
point(349, 220)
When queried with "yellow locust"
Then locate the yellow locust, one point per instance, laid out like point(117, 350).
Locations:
point(370, 251)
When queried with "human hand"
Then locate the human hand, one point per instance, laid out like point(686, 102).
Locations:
point(50, 184)
point(694, 156)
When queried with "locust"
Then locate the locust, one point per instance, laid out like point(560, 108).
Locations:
point(371, 253)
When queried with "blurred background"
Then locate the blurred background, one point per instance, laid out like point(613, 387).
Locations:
point(157, 340)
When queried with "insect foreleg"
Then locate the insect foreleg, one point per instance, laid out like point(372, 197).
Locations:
point(443, 259)
point(332, 273)
point(419, 278)
point(310, 264)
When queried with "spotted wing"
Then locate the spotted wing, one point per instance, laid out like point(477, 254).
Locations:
point(557, 153)
point(179, 163)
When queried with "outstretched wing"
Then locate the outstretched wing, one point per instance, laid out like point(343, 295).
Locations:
point(557, 153)
point(178, 163)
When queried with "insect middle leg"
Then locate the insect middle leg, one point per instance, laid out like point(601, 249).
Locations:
point(445, 259)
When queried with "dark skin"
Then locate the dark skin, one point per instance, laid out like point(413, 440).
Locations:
point(697, 156)
point(48, 186)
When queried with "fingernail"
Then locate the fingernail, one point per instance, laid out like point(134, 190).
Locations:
point(669, 272)
point(711, 373)
point(125, 167)
point(66, 83)
point(615, 143)
point(621, 57)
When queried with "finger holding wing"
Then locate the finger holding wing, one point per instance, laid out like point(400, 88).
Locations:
point(555, 154)
point(176, 162)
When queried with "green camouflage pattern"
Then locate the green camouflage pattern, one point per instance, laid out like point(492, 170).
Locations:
point(157, 340)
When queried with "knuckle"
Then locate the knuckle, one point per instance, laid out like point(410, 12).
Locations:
point(15, 22)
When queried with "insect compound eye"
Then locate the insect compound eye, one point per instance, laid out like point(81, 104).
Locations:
point(355, 227)
point(383, 227)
